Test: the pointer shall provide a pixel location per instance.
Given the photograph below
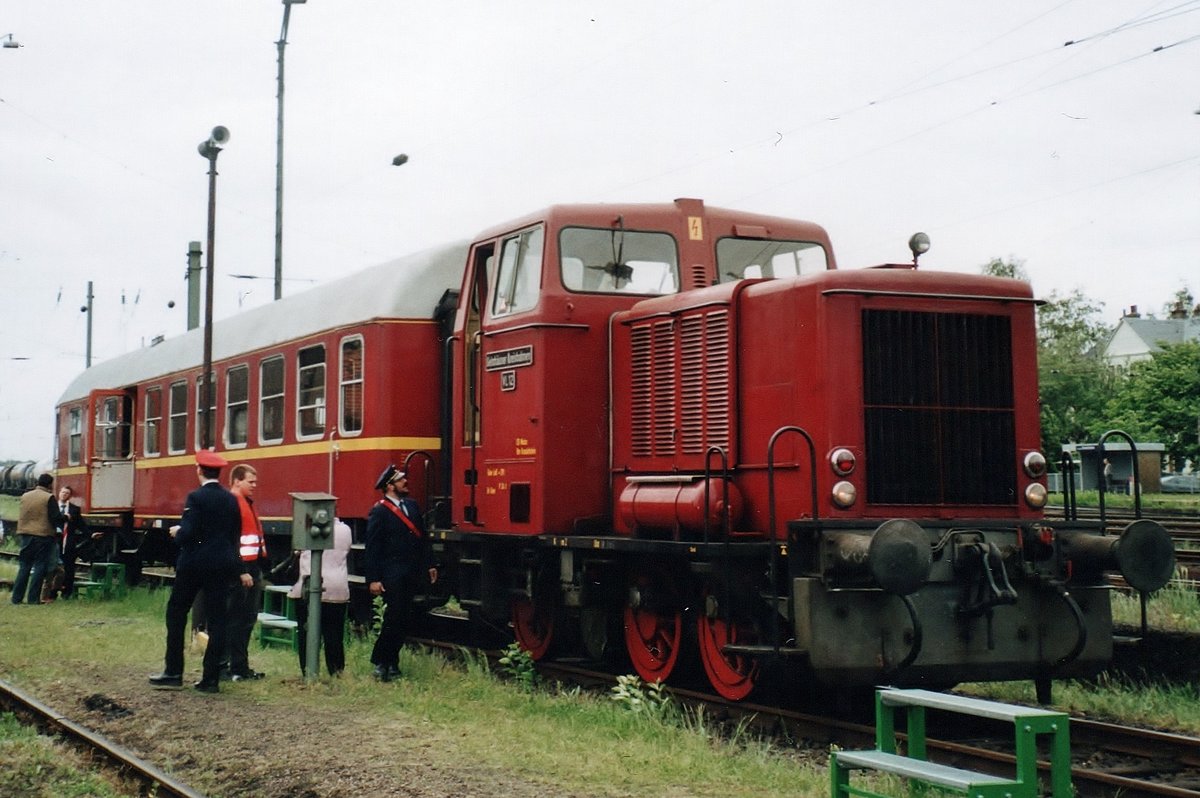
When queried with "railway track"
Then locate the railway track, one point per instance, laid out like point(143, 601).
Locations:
point(145, 778)
point(1108, 759)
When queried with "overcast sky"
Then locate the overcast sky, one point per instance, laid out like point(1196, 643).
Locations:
point(971, 121)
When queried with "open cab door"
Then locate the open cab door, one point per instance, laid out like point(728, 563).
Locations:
point(110, 461)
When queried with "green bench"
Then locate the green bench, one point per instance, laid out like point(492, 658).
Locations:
point(1029, 723)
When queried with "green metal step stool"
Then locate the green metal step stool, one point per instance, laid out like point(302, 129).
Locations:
point(1029, 723)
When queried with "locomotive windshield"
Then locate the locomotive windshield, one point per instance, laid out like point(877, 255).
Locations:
point(746, 258)
point(618, 261)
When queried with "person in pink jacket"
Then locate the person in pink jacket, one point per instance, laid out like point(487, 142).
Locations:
point(335, 594)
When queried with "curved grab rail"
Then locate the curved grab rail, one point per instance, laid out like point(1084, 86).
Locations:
point(1080, 624)
point(812, 463)
point(1137, 477)
point(918, 639)
point(726, 523)
point(430, 484)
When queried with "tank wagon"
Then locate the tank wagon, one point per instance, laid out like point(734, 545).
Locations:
point(672, 433)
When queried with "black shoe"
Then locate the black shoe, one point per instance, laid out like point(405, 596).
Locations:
point(165, 681)
point(208, 686)
point(249, 675)
point(393, 671)
point(225, 675)
point(383, 674)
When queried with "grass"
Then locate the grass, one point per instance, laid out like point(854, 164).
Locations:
point(36, 766)
point(569, 740)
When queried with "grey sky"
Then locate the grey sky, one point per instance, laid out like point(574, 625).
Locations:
point(971, 121)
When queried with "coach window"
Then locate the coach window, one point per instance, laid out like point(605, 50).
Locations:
point(153, 445)
point(520, 272)
point(177, 432)
point(618, 261)
point(748, 258)
point(74, 435)
point(310, 400)
point(237, 405)
point(351, 386)
point(270, 403)
point(212, 413)
point(112, 429)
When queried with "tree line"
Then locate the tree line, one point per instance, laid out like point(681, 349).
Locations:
point(1082, 396)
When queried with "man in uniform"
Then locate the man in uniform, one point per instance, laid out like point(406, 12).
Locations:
point(207, 536)
point(395, 556)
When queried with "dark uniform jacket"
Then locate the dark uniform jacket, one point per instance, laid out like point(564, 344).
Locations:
point(209, 530)
point(394, 554)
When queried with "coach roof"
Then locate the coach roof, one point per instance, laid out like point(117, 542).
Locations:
point(406, 288)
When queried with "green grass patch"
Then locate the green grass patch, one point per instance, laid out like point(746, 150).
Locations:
point(36, 766)
point(571, 741)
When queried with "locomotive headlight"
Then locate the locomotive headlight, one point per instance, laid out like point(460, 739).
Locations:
point(844, 494)
point(1035, 465)
point(842, 461)
point(1035, 495)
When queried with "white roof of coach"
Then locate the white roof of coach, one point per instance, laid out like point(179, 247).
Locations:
point(405, 288)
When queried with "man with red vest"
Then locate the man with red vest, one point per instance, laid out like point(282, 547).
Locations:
point(245, 599)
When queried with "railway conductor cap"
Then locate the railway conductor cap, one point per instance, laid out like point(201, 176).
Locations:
point(389, 475)
point(207, 458)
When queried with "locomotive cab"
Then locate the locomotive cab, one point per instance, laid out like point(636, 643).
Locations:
point(531, 355)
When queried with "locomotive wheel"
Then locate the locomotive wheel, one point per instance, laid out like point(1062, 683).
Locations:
point(653, 635)
point(533, 625)
point(733, 676)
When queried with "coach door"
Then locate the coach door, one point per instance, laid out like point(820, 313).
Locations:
point(110, 461)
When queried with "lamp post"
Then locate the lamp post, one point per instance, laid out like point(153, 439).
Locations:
point(280, 45)
point(210, 149)
point(87, 362)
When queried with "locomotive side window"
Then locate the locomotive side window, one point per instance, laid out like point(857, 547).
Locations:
point(270, 402)
point(618, 261)
point(520, 272)
point(748, 258)
point(177, 432)
point(310, 401)
point(201, 443)
point(351, 386)
point(153, 445)
point(237, 405)
point(74, 435)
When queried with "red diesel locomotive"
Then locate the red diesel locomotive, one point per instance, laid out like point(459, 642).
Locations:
point(669, 432)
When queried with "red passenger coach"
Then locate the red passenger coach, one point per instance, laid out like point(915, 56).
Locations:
point(660, 435)
point(317, 392)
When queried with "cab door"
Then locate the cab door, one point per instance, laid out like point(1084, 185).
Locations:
point(110, 459)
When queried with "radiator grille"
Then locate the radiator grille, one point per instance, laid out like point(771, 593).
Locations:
point(652, 411)
point(938, 404)
point(681, 385)
point(704, 382)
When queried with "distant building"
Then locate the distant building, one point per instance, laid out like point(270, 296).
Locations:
point(1137, 338)
point(1117, 451)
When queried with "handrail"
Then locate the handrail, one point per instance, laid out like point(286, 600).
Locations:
point(726, 523)
point(812, 459)
point(1137, 479)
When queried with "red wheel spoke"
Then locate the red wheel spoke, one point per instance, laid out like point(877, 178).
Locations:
point(533, 626)
point(733, 676)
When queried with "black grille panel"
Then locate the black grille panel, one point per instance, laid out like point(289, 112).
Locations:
point(938, 404)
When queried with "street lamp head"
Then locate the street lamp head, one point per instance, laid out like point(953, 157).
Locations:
point(400, 160)
point(10, 43)
point(293, 2)
point(215, 142)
